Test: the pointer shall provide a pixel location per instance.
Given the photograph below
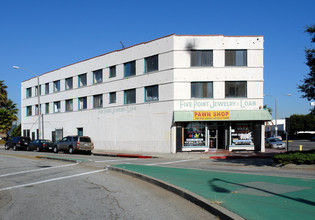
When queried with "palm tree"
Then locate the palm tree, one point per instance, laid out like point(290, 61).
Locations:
point(3, 93)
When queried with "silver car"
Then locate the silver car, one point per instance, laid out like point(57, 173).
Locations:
point(73, 144)
point(275, 143)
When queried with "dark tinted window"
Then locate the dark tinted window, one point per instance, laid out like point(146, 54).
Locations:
point(85, 139)
point(75, 138)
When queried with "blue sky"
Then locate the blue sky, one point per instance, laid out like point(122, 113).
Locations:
point(46, 35)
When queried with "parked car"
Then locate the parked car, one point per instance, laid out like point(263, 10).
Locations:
point(17, 143)
point(313, 138)
point(73, 144)
point(275, 143)
point(40, 145)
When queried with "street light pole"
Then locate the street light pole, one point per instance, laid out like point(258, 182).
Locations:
point(276, 122)
point(40, 135)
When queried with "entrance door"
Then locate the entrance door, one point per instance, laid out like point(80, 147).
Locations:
point(213, 138)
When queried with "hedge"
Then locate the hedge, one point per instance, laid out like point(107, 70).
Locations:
point(297, 157)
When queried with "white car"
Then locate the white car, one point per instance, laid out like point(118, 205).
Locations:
point(275, 143)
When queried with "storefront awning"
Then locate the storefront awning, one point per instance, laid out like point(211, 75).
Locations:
point(222, 115)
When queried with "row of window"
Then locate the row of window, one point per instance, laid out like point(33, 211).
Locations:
point(233, 89)
point(198, 58)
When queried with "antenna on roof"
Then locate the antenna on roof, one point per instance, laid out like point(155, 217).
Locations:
point(122, 45)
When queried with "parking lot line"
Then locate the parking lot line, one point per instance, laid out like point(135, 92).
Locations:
point(35, 170)
point(50, 180)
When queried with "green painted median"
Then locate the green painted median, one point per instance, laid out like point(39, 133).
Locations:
point(250, 196)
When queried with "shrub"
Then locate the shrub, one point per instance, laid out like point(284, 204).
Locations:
point(297, 157)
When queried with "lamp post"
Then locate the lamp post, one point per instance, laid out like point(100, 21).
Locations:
point(38, 99)
point(276, 123)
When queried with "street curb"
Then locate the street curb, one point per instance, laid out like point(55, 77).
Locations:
point(123, 155)
point(242, 157)
point(214, 209)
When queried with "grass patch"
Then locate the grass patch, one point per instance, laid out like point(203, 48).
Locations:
point(296, 157)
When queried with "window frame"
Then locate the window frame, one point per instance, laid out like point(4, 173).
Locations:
point(94, 101)
point(112, 71)
point(147, 89)
point(233, 60)
point(80, 77)
point(28, 110)
point(152, 62)
point(57, 82)
point(70, 102)
point(97, 73)
point(197, 58)
point(84, 104)
point(47, 108)
point(235, 89)
point(67, 87)
point(46, 88)
point(194, 90)
point(29, 92)
point(132, 71)
point(127, 94)
point(57, 104)
point(112, 97)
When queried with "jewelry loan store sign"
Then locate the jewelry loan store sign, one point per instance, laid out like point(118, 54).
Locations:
point(217, 104)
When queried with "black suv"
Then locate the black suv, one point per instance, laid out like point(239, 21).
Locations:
point(17, 143)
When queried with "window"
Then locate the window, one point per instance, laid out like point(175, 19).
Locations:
point(80, 131)
point(36, 109)
point(47, 108)
point(201, 58)
point(130, 96)
point(69, 105)
point(235, 57)
point(28, 92)
point(151, 63)
point(57, 86)
point(98, 101)
point(82, 103)
point(82, 80)
point(201, 90)
point(152, 93)
point(112, 97)
point(57, 107)
point(130, 69)
point(28, 110)
point(235, 89)
point(98, 76)
point(36, 90)
point(69, 83)
point(47, 88)
point(112, 71)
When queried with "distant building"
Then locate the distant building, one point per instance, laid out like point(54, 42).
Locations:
point(172, 94)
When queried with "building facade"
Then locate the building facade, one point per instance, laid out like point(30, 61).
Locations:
point(176, 93)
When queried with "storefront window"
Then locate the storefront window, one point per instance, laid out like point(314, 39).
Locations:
point(194, 134)
point(242, 134)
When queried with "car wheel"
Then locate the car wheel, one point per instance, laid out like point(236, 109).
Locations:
point(15, 148)
point(88, 152)
point(55, 149)
point(38, 149)
point(70, 150)
point(6, 147)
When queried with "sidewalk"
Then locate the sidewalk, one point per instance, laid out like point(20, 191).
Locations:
point(212, 154)
point(248, 196)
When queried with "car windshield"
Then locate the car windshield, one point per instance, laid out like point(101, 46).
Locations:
point(274, 140)
point(85, 139)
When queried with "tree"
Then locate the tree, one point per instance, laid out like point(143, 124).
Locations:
point(8, 110)
point(16, 131)
point(302, 123)
point(308, 86)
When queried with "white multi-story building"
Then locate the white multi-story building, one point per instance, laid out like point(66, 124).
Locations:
point(176, 93)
